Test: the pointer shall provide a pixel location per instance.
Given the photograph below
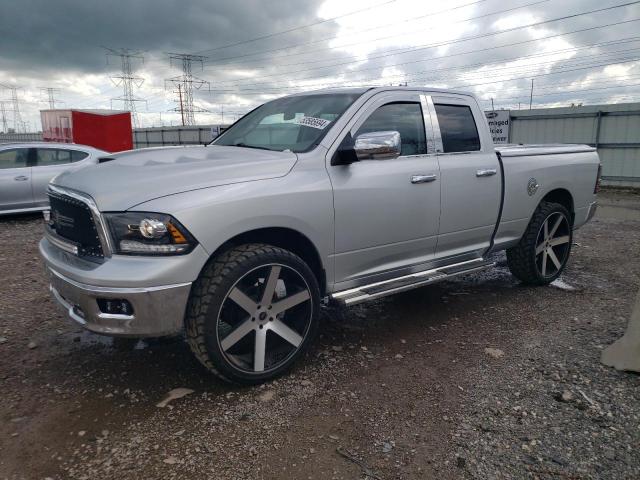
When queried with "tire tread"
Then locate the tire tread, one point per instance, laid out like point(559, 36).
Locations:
point(205, 287)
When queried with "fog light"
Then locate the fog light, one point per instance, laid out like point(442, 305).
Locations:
point(115, 306)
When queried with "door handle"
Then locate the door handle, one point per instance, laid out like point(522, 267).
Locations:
point(423, 178)
point(21, 178)
point(487, 172)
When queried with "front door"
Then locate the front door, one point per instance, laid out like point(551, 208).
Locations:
point(471, 180)
point(386, 213)
point(15, 179)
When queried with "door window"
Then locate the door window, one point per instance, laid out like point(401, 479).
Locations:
point(457, 128)
point(77, 155)
point(14, 158)
point(403, 117)
point(52, 156)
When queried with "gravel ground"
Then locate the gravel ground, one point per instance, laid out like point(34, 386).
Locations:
point(474, 378)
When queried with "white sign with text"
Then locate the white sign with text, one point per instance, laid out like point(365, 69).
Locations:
point(498, 121)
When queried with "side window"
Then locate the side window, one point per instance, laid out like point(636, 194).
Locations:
point(52, 156)
point(403, 117)
point(14, 158)
point(458, 128)
point(77, 155)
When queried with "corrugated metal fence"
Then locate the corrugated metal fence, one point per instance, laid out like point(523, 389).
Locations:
point(21, 137)
point(146, 137)
point(159, 136)
point(613, 129)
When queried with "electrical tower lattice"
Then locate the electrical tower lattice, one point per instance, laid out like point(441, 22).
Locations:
point(185, 84)
point(127, 79)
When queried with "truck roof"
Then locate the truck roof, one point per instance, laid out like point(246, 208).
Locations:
point(362, 90)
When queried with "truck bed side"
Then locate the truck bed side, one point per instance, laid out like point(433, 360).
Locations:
point(557, 170)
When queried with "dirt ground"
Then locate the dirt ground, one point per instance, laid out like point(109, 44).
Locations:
point(403, 388)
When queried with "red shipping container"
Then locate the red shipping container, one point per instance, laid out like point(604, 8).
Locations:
point(107, 130)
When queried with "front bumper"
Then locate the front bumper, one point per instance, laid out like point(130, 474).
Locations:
point(157, 288)
point(157, 311)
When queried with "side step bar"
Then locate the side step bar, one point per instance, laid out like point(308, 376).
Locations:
point(372, 291)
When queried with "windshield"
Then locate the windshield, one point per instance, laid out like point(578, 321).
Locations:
point(291, 123)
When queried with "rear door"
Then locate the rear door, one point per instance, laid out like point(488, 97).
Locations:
point(49, 162)
point(470, 177)
point(15, 179)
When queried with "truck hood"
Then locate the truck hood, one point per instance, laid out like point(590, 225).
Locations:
point(141, 175)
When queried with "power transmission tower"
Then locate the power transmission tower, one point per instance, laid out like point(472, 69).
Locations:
point(18, 124)
point(185, 85)
point(127, 79)
point(51, 99)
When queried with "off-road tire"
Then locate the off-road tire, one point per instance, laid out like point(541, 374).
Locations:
point(210, 290)
point(521, 259)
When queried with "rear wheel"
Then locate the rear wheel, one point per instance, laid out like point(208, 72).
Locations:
point(252, 313)
point(543, 251)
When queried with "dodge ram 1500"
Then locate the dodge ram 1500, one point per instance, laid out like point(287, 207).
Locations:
point(339, 195)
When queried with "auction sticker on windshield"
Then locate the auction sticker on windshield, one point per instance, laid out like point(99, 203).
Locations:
point(313, 122)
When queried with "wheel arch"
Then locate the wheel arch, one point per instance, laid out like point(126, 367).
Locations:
point(283, 237)
point(563, 197)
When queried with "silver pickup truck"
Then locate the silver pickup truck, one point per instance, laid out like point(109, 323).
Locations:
point(339, 195)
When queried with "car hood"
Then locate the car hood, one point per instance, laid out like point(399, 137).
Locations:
point(141, 175)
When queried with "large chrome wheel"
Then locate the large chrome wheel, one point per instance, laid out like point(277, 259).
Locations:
point(252, 313)
point(552, 245)
point(264, 318)
point(543, 251)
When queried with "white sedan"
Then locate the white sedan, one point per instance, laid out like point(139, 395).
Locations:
point(27, 168)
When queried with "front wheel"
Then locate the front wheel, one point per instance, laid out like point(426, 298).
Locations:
point(252, 313)
point(543, 251)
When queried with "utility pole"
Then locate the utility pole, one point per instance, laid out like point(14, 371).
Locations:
point(51, 100)
point(492, 109)
point(3, 114)
point(181, 104)
point(186, 84)
point(222, 114)
point(531, 97)
point(127, 80)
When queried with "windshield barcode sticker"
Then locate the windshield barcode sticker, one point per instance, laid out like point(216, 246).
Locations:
point(313, 122)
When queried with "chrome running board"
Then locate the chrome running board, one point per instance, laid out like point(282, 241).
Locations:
point(375, 290)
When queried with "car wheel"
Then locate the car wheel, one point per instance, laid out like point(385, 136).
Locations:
point(252, 313)
point(543, 251)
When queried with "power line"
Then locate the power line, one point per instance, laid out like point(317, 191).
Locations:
point(127, 79)
point(440, 44)
point(296, 45)
point(185, 84)
point(271, 35)
point(438, 70)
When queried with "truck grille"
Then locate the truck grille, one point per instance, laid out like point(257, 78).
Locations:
point(72, 220)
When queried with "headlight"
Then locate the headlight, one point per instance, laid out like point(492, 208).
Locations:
point(142, 233)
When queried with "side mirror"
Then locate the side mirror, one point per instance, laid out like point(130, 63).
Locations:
point(378, 145)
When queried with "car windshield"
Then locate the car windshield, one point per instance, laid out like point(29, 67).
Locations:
point(292, 123)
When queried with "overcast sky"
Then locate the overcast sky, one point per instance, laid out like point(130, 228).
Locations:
point(258, 50)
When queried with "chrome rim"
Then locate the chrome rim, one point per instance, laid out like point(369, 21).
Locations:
point(552, 245)
point(264, 318)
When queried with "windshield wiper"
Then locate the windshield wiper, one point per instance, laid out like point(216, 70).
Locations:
point(251, 146)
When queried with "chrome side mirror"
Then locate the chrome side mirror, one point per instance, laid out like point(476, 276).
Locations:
point(378, 145)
